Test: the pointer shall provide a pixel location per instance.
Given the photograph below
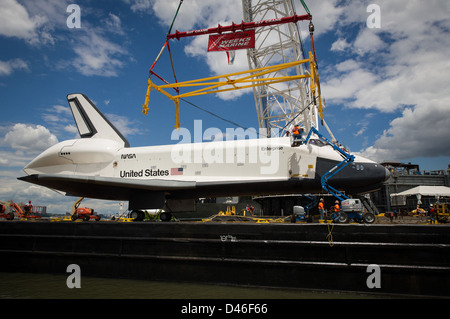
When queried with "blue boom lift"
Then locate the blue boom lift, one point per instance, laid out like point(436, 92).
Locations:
point(352, 208)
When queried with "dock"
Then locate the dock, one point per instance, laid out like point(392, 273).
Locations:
point(412, 259)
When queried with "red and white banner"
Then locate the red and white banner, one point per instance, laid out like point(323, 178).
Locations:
point(232, 41)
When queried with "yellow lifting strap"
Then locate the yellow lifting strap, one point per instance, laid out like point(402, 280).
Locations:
point(236, 81)
point(315, 84)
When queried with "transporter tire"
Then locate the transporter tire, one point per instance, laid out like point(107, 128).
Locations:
point(369, 218)
point(343, 218)
point(137, 215)
point(165, 217)
point(10, 216)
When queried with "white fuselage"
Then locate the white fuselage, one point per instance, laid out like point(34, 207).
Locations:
point(242, 167)
point(240, 160)
point(102, 165)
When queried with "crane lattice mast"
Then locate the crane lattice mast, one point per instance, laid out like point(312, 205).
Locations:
point(283, 105)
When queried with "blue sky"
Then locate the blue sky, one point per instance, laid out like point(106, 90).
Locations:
point(386, 88)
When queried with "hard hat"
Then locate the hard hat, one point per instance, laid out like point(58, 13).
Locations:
point(337, 202)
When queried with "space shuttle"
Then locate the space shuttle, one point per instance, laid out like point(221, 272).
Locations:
point(101, 164)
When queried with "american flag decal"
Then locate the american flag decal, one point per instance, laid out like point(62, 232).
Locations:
point(176, 171)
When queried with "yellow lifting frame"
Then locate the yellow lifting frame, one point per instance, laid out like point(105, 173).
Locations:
point(315, 84)
point(251, 78)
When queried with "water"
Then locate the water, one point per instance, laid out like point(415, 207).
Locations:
point(45, 286)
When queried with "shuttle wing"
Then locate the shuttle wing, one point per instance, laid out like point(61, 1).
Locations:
point(105, 187)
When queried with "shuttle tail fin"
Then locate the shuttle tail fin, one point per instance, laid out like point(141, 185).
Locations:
point(91, 123)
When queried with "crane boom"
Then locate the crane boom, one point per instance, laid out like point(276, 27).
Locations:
point(240, 26)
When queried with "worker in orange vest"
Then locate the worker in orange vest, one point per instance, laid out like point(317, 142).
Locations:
point(336, 211)
point(320, 207)
point(336, 207)
point(297, 134)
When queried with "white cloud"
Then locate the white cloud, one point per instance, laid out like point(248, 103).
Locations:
point(96, 55)
point(29, 138)
point(340, 45)
point(348, 66)
point(398, 67)
point(113, 24)
point(368, 41)
point(71, 129)
point(360, 132)
point(8, 67)
point(124, 124)
point(18, 191)
point(14, 159)
point(34, 21)
point(326, 14)
point(197, 13)
point(43, 22)
point(62, 109)
point(22, 142)
point(419, 132)
point(59, 120)
point(404, 67)
point(58, 114)
point(139, 5)
point(15, 21)
point(350, 78)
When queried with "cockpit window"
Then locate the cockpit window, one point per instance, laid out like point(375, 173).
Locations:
point(317, 142)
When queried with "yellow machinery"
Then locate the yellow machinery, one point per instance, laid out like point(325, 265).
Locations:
point(231, 216)
point(236, 81)
point(83, 213)
point(442, 212)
